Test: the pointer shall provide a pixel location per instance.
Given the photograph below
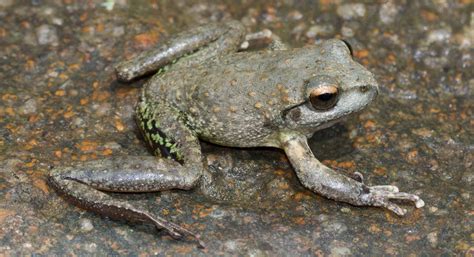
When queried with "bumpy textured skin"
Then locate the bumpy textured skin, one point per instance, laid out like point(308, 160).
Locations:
point(243, 99)
point(240, 99)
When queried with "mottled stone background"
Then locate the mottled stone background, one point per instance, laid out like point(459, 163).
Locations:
point(60, 102)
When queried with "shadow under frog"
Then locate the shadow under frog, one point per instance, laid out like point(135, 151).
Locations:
point(204, 88)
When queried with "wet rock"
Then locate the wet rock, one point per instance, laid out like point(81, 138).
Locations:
point(232, 245)
point(319, 30)
point(351, 11)
point(29, 38)
point(6, 3)
point(47, 35)
point(388, 12)
point(118, 31)
point(86, 225)
point(256, 253)
point(29, 107)
point(102, 109)
point(334, 227)
point(218, 213)
point(92, 247)
point(439, 35)
point(419, 138)
point(78, 122)
point(347, 32)
point(433, 239)
point(339, 249)
point(279, 188)
point(113, 145)
point(295, 15)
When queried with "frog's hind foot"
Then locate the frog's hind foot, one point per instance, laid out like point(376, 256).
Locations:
point(381, 196)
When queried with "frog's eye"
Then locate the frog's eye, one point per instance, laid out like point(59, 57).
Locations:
point(324, 97)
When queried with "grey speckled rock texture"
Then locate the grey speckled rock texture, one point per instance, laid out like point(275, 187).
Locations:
point(60, 103)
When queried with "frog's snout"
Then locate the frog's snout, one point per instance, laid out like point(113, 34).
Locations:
point(368, 91)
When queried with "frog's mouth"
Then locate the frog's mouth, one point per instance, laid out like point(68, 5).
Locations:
point(303, 115)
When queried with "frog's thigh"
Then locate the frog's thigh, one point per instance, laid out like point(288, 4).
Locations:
point(165, 130)
point(180, 45)
point(232, 35)
point(127, 174)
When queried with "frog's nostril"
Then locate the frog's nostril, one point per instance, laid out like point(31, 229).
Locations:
point(364, 88)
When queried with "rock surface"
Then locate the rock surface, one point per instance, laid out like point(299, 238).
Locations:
point(60, 103)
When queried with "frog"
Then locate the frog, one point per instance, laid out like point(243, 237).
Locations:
point(207, 86)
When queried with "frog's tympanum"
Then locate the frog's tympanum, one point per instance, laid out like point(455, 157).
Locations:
point(205, 88)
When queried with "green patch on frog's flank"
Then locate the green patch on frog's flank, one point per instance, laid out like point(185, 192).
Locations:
point(160, 144)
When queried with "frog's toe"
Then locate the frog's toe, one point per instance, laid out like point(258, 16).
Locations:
point(386, 188)
point(382, 196)
point(394, 208)
point(357, 176)
point(174, 230)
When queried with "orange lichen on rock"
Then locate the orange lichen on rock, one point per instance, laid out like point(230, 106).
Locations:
point(58, 153)
point(60, 92)
point(41, 184)
point(119, 125)
point(361, 53)
point(146, 40)
point(4, 213)
point(299, 220)
point(31, 144)
point(429, 16)
point(370, 124)
point(100, 95)
point(87, 145)
point(30, 65)
point(107, 152)
point(300, 196)
point(10, 111)
point(3, 32)
point(83, 101)
point(412, 155)
point(380, 171)
point(375, 229)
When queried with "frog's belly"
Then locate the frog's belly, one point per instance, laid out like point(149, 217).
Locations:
point(235, 133)
point(238, 140)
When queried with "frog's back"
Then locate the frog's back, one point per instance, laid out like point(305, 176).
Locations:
point(236, 100)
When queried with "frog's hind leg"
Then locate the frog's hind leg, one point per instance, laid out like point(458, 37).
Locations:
point(213, 39)
point(87, 184)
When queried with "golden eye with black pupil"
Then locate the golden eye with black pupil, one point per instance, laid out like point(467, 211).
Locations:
point(324, 98)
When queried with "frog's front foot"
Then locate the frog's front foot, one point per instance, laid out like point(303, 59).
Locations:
point(382, 196)
point(327, 182)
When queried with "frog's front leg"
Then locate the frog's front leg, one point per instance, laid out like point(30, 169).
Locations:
point(86, 184)
point(325, 181)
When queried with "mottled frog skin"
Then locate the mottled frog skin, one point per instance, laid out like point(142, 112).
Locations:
point(205, 88)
